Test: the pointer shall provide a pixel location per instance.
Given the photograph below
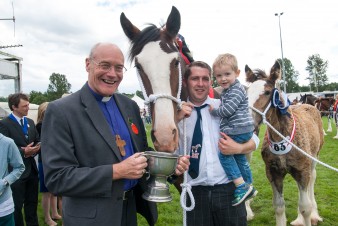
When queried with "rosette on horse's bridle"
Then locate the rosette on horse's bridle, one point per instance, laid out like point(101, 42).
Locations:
point(276, 102)
point(183, 49)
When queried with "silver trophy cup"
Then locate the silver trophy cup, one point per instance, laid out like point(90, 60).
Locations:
point(160, 166)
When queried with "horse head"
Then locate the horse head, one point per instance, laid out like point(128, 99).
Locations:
point(160, 68)
point(308, 99)
point(261, 89)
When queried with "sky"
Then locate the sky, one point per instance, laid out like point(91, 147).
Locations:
point(56, 36)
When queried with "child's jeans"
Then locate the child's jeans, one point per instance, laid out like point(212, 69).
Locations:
point(236, 166)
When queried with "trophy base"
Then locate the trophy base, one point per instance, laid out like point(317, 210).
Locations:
point(157, 190)
point(157, 195)
point(160, 166)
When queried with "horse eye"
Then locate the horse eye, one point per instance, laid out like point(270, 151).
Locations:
point(138, 67)
point(177, 63)
point(267, 92)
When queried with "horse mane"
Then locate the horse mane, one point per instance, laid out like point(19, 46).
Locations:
point(260, 74)
point(257, 74)
point(148, 34)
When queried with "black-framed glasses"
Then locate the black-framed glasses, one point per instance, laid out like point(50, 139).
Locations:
point(106, 67)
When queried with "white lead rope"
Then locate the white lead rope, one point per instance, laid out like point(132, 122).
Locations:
point(154, 97)
point(295, 146)
point(186, 188)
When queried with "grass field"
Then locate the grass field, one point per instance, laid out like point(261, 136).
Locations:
point(326, 191)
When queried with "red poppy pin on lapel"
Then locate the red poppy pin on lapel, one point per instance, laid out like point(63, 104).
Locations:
point(133, 126)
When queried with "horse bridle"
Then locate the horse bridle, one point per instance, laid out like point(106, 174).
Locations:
point(153, 97)
point(263, 114)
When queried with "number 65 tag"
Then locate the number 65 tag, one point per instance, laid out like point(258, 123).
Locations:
point(281, 147)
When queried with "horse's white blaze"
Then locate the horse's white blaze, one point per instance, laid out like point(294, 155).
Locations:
point(159, 77)
point(253, 92)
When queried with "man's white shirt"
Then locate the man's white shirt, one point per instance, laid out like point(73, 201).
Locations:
point(211, 171)
point(210, 168)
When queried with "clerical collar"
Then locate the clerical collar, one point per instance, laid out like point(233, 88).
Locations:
point(98, 97)
point(106, 99)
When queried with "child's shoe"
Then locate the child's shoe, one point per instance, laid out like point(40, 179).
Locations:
point(241, 192)
point(252, 194)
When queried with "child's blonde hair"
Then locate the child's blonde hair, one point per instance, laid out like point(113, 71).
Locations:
point(226, 59)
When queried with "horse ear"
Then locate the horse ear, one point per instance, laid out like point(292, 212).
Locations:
point(275, 72)
point(250, 76)
point(129, 29)
point(173, 24)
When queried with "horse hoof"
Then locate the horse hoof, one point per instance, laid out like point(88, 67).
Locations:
point(250, 217)
point(336, 137)
point(315, 219)
point(297, 222)
point(314, 222)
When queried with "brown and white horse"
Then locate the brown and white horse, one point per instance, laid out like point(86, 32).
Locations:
point(303, 126)
point(160, 66)
point(323, 104)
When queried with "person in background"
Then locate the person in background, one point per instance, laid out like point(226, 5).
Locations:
point(143, 115)
point(335, 111)
point(212, 190)
point(335, 105)
point(23, 131)
point(148, 117)
point(236, 122)
point(48, 200)
point(95, 158)
point(9, 158)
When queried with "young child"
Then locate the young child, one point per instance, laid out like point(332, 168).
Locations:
point(236, 122)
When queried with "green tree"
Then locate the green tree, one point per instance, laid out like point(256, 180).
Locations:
point(331, 86)
point(58, 86)
point(139, 94)
point(214, 83)
point(304, 89)
point(3, 99)
point(317, 68)
point(291, 76)
point(128, 95)
point(37, 97)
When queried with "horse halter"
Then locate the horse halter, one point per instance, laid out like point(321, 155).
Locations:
point(276, 103)
point(282, 147)
point(153, 97)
